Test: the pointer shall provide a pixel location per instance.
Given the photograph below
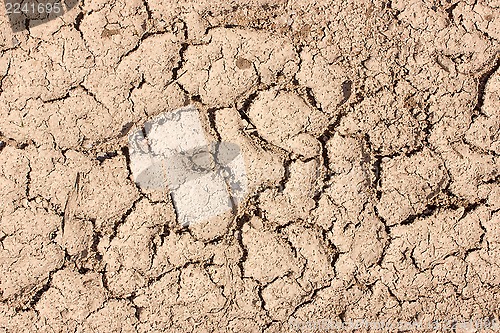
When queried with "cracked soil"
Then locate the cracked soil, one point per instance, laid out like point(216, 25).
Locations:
point(371, 136)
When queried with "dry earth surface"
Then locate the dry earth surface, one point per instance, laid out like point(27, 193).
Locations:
point(370, 130)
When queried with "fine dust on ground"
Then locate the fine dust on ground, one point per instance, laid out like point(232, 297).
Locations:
point(371, 134)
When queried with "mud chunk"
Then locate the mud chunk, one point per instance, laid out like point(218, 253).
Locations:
point(100, 17)
point(178, 297)
point(177, 251)
point(55, 177)
point(304, 144)
point(197, 289)
point(349, 191)
point(469, 169)
point(281, 127)
point(408, 184)
point(110, 191)
point(482, 259)
point(318, 253)
point(269, 257)
point(211, 72)
point(114, 316)
point(429, 242)
point(14, 169)
point(129, 255)
point(69, 62)
point(392, 128)
point(451, 116)
point(326, 80)
point(141, 79)
point(156, 302)
point(263, 166)
point(153, 100)
point(282, 296)
point(295, 201)
point(72, 297)
point(27, 255)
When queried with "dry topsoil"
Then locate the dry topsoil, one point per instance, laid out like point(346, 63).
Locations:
point(370, 133)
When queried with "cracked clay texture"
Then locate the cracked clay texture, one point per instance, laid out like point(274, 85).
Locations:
point(370, 132)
